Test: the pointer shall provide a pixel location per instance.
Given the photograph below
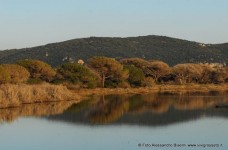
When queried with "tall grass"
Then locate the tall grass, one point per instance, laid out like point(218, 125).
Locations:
point(15, 95)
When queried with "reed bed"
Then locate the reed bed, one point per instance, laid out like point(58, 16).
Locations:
point(12, 95)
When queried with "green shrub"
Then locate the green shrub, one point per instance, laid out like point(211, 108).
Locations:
point(75, 73)
point(136, 75)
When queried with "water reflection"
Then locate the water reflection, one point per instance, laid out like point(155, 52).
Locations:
point(149, 109)
point(43, 109)
point(117, 122)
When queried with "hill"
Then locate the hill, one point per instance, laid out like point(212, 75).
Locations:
point(170, 50)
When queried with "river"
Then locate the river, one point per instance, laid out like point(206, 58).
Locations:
point(115, 122)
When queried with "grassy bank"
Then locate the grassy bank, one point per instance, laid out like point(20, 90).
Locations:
point(188, 88)
point(12, 95)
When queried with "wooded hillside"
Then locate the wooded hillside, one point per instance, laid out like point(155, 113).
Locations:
point(171, 50)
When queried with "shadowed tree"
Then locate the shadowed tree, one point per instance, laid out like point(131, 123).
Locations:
point(219, 75)
point(226, 77)
point(136, 76)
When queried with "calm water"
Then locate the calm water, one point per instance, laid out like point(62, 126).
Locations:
point(115, 122)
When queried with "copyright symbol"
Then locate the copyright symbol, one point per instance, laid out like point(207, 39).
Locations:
point(139, 145)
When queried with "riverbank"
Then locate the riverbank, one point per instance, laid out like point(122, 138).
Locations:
point(12, 95)
point(172, 89)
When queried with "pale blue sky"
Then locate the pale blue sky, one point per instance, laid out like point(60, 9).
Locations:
point(26, 23)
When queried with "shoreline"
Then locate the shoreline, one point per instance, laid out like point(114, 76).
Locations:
point(13, 96)
point(172, 89)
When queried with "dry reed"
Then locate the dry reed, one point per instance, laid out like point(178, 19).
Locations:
point(14, 95)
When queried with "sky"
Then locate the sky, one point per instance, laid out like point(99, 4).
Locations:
point(28, 23)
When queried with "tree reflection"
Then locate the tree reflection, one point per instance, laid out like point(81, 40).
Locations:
point(152, 109)
point(107, 111)
point(43, 109)
point(111, 108)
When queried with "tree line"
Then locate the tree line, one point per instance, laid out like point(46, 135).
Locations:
point(102, 71)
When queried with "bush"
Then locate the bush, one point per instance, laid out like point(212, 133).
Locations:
point(148, 82)
point(10, 73)
point(124, 85)
point(38, 69)
point(4, 75)
point(34, 81)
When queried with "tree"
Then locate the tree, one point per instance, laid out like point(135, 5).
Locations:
point(219, 75)
point(77, 74)
point(108, 69)
point(10, 73)
point(206, 74)
point(38, 69)
point(154, 69)
point(187, 73)
point(158, 69)
point(226, 71)
point(139, 63)
point(136, 75)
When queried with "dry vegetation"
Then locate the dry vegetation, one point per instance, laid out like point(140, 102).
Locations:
point(187, 88)
point(130, 75)
point(12, 95)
